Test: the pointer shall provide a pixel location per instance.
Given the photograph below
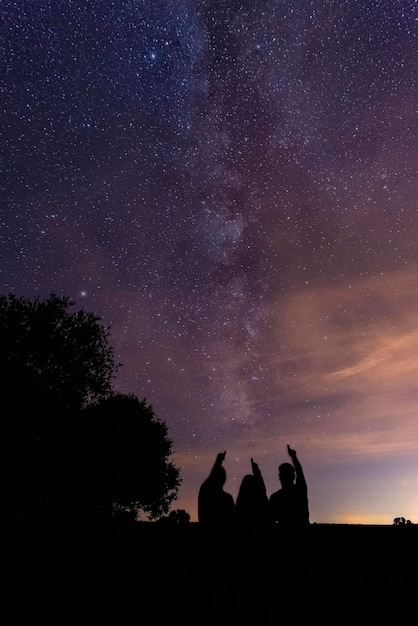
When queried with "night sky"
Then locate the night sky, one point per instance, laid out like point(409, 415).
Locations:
point(233, 188)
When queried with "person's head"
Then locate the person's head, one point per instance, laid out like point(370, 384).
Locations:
point(247, 494)
point(248, 485)
point(286, 474)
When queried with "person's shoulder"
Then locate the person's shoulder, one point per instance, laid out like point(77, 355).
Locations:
point(205, 487)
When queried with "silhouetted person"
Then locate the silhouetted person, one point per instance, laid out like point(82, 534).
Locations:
point(289, 512)
point(215, 507)
point(252, 537)
point(215, 552)
point(289, 507)
point(251, 505)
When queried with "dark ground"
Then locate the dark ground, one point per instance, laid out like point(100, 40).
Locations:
point(149, 573)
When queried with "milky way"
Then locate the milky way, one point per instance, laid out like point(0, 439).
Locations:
point(233, 188)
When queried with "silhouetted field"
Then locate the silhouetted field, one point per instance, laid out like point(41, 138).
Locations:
point(156, 573)
point(341, 571)
point(348, 570)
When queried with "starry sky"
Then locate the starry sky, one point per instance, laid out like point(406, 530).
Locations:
point(233, 188)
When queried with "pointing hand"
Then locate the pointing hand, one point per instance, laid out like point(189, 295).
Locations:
point(292, 453)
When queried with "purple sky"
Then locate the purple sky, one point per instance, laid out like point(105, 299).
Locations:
point(233, 188)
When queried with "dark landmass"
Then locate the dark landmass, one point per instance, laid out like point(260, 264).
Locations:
point(338, 572)
point(163, 573)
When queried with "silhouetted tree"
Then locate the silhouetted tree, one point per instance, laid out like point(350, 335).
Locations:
point(123, 514)
point(137, 473)
point(179, 517)
point(53, 357)
point(53, 363)
point(77, 448)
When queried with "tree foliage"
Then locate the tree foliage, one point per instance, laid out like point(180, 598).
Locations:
point(401, 521)
point(77, 447)
point(56, 359)
point(142, 478)
point(177, 518)
point(53, 363)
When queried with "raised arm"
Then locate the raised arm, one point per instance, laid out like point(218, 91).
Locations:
point(220, 457)
point(300, 477)
point(255, 468)
point(258, 475)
